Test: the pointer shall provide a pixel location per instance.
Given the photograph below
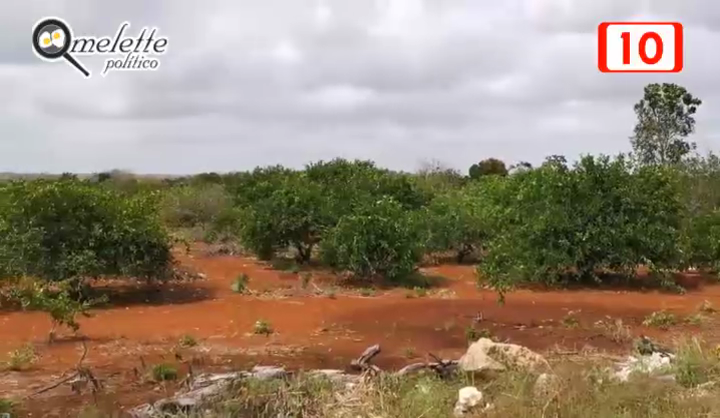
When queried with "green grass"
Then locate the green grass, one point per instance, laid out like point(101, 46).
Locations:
point(263, 327)
point(6, 406)
point(187, 341)
point(239, 285)
point(164, 372)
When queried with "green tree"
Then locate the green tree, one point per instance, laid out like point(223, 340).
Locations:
point(75, 230)
point(664, 121)
point(490, 166)
point(188, 206)
point(294, 214)
point(455, 221)
point(379, 240)
point(246, 188)
point(435, 178)
point(555, 225)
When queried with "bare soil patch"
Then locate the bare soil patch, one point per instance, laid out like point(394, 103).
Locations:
point(317, 326)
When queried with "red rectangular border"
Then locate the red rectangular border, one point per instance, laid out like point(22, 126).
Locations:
point(602, 47)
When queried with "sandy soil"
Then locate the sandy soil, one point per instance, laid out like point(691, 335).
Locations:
point(143, 326)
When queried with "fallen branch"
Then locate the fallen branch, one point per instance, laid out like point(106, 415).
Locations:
point(363, 364)
point(54, 385)
point(78, 380)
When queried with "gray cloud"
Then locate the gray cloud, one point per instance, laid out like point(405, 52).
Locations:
point(249, 83)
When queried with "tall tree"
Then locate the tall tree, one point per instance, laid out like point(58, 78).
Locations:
point(664, 121)
point(486, 167)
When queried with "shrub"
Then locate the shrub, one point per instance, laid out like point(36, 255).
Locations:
point(293, 214)
point(555, 224)
point(22, 358)
point(263, 327)
point(351, 184)
point(226, 226)
point(248, 188)
point(73, 230)
point(239, 285)
point(189, 206)
point(379, 240)
point(187, 341)
point(164, 372)
point(454, 221)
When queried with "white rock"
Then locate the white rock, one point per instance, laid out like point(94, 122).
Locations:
point(485, 354)
point(643, 364)
point(468, 398)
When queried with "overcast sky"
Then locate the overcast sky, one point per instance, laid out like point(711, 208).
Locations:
point(260, 82)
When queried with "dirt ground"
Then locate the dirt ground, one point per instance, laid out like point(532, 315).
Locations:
point(142, 327)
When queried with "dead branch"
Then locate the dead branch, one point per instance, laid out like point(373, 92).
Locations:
point(442, 367)
point(78, 380)
point(54, 385)
point(363, 364)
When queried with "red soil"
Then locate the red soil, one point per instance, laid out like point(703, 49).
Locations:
point(311, 330)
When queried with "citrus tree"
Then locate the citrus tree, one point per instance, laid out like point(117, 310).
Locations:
point(62, 233)
point(380, 239)
point(75, 230)
point(555, 223)
point(456, 221)
point(294, 214)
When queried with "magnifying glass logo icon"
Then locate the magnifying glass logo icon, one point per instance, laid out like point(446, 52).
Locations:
point(51, 40)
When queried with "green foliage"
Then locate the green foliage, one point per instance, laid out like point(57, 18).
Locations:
point(664, 120)
point(555, 224)
point(263, 327)
point(239, 285)
point(490, 166)
point(246, 189)
point(700, 186)
point(455, 221)
point(187, 341)
point(433, 179)
point(293, 214)
point(164, 372)
point(280, 208)
point(60, 230)
point(188, 206)
point(380, 239)
point(226, 225)
point(349, 184)
point(7, 406)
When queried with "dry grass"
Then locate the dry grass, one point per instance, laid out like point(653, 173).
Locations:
point(21, 359)
point(582, 390)
point(615, 330)
point(661, 319)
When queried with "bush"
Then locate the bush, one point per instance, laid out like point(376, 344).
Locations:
point(74, 230)
point(555, 224)
point(381, 239)
point(455, 221)
point(189, 206)
point(293, 214)
point(700, 179)
point(248, 188)
point(350, 184)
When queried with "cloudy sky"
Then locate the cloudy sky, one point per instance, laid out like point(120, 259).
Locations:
point(257, 82)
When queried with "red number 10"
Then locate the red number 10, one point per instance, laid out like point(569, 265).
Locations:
point(643, 48)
